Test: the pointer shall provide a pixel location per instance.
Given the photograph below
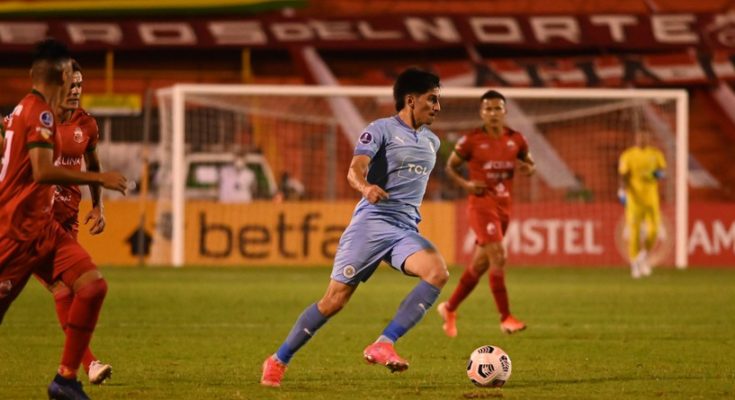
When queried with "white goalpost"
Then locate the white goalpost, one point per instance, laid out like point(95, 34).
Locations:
point(303, 135)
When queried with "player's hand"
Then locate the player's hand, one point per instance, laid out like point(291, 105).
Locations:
point(374, 193)
point(114, 181)
point(98, 221)
point(621, 196)
point(526, 168)
point(475, 187)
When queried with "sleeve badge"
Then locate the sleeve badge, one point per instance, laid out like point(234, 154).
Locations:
point(47, 119)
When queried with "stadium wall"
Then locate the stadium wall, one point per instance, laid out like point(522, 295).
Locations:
point(306, 234)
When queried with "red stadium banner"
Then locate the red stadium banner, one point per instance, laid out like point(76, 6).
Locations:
point(589, 32)
point(594, 235)
point(78, 8)
point(676, 68)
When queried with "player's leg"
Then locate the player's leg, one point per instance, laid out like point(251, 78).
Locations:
point(497, 254)
point(352, 264)
point(485, 230)
point(74, 267)
point(12, 283)
point(97, 371)
point(633, 225)
point(17, 261)
point(467, 282)
point(416, 256)
point(305, 327)
point(652, 222)
point(63, 297)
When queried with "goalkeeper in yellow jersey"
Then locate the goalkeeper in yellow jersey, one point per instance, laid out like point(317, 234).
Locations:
point(641, 167)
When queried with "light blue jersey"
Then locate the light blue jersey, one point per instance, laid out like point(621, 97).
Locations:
point(401, 161)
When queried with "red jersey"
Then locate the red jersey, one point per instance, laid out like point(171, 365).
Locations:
point(25, 206)
point(492, 160)
point(74, 138)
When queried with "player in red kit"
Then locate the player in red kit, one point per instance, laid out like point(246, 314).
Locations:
point(30, 238)
point(76, 139)
point(492, 153)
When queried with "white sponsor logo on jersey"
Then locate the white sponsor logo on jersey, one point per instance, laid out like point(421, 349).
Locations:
point(499, 165)
point(68, 161)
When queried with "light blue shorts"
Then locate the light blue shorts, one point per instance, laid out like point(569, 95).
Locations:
point(371, 238)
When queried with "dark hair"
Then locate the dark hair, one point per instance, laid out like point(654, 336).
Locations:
point(48, 58)
point(492, 94)
point(413, 81)
point(75, 67)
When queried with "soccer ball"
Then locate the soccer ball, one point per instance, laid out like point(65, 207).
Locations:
point(488, 366)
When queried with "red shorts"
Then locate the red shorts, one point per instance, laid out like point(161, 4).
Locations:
point(488, 223)
point(71, 225)
point(53, 255)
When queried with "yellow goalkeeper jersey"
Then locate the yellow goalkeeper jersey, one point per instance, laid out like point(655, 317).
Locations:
point(641, 163)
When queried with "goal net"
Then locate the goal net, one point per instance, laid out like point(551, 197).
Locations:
point(255, 174)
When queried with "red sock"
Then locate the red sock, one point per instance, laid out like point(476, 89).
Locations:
point(497, 286)
point(83, 315)
point(63, 299)
point(467, 282)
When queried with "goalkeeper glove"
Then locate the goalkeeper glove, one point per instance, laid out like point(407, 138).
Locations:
point(621, 196)
point(659, 174)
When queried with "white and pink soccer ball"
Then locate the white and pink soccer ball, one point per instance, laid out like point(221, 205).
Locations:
point(489, 366)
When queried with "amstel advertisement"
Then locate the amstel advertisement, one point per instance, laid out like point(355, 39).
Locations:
point(307, 234)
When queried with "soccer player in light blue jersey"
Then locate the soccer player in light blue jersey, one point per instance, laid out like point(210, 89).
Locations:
point(391, 165)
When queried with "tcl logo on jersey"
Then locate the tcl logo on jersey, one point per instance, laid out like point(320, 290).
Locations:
point(412, 169)
point(418, 169)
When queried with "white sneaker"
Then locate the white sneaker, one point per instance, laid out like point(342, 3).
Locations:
point(645, 269)
point(99, 372)
point(635, 271)
point(642, 261)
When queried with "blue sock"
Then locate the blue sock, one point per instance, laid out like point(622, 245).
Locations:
point(411, 310)
point(305, 327)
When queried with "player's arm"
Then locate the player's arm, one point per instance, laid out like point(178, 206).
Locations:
point(45, 172)
point(660, 171)
point(97, 214)
point(623, 187)
point(2, 140)
point(453, 172)
point(357, 177)
point(527, 165)
point(624, 175)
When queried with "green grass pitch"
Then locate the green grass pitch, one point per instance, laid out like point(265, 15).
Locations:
point(199, 333)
